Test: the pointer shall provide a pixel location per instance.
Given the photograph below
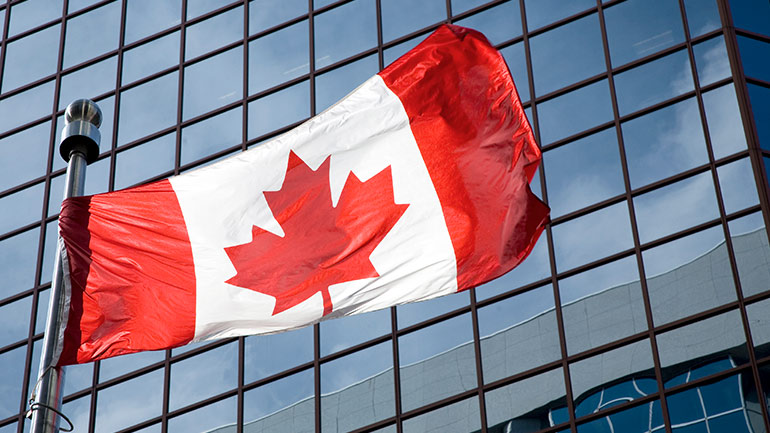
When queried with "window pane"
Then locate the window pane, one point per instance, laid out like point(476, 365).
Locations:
point(664, 143)
point(602, 305)
point(760, 105)
point(518, 334)
point(18, 255)
point(213, 33)
point(30, 150)
point(279, 109)
point(142, 162)
point(641, 87)
point(583, 172)
point(643, 418)
point(264, 14)
point(753, 15)
point(265, 355)
point(151, 57)
point(286, 404)
point(348, 331)
point(212, 135)
point(724, 120)
point(344, 31)
point(334, 85)
point(12, 366)
point(711, 60)
point(148, 108)
point(567, 54)
point(593, 236)
point(119, 365)
point(278, 57)
point(78, 411)
point(31, 58)
point(49, 251)
point(754, 55)
point(32, 13)
point(21, 208)
point(739, 189)
point(202, 94)
point(676, 207)
point(89, 82)
point(517, 63)
point(26, 106)
point(92, 34)
point(207, 418)
point(499, 24)
point(194, 379)
point(147, 17)
point(752, 253)
point(542, 12)
point(575, 111)
point(436, 362)
point(525, 404)
point(14, 321)
point(759, 319)
point(358, 389)
point(702, 16)
point(400, 17)
point(391, 54)
point(130, 402)
point(416, 312)
point(638, 28)
point(458, 417)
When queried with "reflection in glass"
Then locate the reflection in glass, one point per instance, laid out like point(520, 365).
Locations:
point(462, 416)
point(567, 54)
point(641, 87)
point(150, 57)
point(18, 255)
point(358, 389)
point(752, 15)
point(206, 418)
point(92, 34)
point(32, 13)
point(145, 161)
point(117, 366)
point(144, 18)
point(391, 54)
point(78, 411)
point(739, 190)
point(759, 320)
point(194, 379)
point(646, 417)
point(754, 56)
point(752, 253)
point(517, 63)
point(542, 12)
point(21, 208)
point(711, 60)
point(638, 28)
point(573, 112)
point(593, 236)
point(583, 172)
point(130, 402)
point(702, 16)
point(724, 121)
point(676, 207)
point(498, 24)
point(344, 31)
point(536, 267)
point(688, 275)
point(702, 348)
point(602, 305)
point(213, 33)
point(279, 109)
point(278, 57)
point(525, 406)
point(202, 93)
point(265, 355)
point(30, 154)
point(760, 105)
point(663, 143)
point(518, 334)
point(14, 321)
point(400, 17)
point(436, 362)
point(147, 108)
point(49, 251)
point(348, 331)
point(264, 14)
point(416, 312)
point(25, 107)
point(612, 378)
point(88, 82)
point(30, 58)
point(12, 366)
point(211, 135)
point(286, 404)
point(79, 376)
point(334, 85)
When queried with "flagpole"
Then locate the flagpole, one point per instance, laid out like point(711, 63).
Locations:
point(79, 146)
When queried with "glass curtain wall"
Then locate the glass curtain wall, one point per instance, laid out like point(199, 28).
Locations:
point(645, 306)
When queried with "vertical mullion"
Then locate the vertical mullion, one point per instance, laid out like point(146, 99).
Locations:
point(244, 138)
point(632, 217)
point(7, 22)
point(548, 228)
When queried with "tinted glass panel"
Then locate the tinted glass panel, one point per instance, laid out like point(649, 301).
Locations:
point(573, 112)
point(211, 135)
point(144, 18)
point(517, 63)
point(194, 379)
point(751, 15)
point(334, 85)
point(462, 416)
point(89, 82)
point(148, 108)
point(30, 58)
point(542, 12)
point(348, 331)
point(143, 395)
point(702, 16)
point(499, 24)
point(760, 105)
point(213, 33)
point(536, 267)
point(266, 355)
point(202, 94)
point(29, 14)
point(526, 403)
point(18, 255)
point(142, 162)
point(151, 57)
point(207, 418)
point(92, 34)
point(278, 57)
point(754, 56)
point(21, 208)
point(711, 60)
point(641, 87)
point(724, 121)
point(752, 253)
point(264, 14)
point(286, 404)
point(738, 186)
point(400, 17)
point(279, 109)
point(344, 31)
point(638, 28)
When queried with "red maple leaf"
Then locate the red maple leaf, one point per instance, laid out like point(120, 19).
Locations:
point(322, 244)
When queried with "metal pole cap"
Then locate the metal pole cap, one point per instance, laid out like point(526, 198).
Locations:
point(82, 119)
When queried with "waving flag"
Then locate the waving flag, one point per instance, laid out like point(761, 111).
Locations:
point(415, 185)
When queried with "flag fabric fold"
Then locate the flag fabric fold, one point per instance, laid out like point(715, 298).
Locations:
point(415, 185)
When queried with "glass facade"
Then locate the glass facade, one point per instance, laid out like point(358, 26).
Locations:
point(645, 306)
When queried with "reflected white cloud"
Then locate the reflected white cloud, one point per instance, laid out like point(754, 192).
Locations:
point(724, 121)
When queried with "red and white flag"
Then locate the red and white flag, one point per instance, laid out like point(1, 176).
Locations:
point(415, 185)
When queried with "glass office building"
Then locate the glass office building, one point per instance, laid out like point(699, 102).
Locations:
point(645, 306)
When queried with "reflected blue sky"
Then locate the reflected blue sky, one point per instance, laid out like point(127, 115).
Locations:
point(334, 85)
point(344, 31)
point(12, 366)
point(21, 208)
point(26, 106)
point(283, 393)
point(150, 159)
point(638, 28)
point(278, 57)
point(130, 402)
point(213, 33)
point(702, 16)
point(752, 15)
point(31, 58)
point(711, 60)
point(264, 14)
point(211, 135)
point(150, 57)
point(641, 87)
point(92, 34)
point(266, 355)
point(573, 112)
point(542, 12)
point(146, 17)
point(194, 379)
point(17, 262)
point(212, 83)
point(89, 82)
point(147, 108)
point(400, 17)
point(348, 331)
point(498, 24)
point(755, 56)
point(279, 109)
point(536, 267)
point(32, 13)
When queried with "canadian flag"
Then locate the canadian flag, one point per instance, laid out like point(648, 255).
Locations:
point(415, 185)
